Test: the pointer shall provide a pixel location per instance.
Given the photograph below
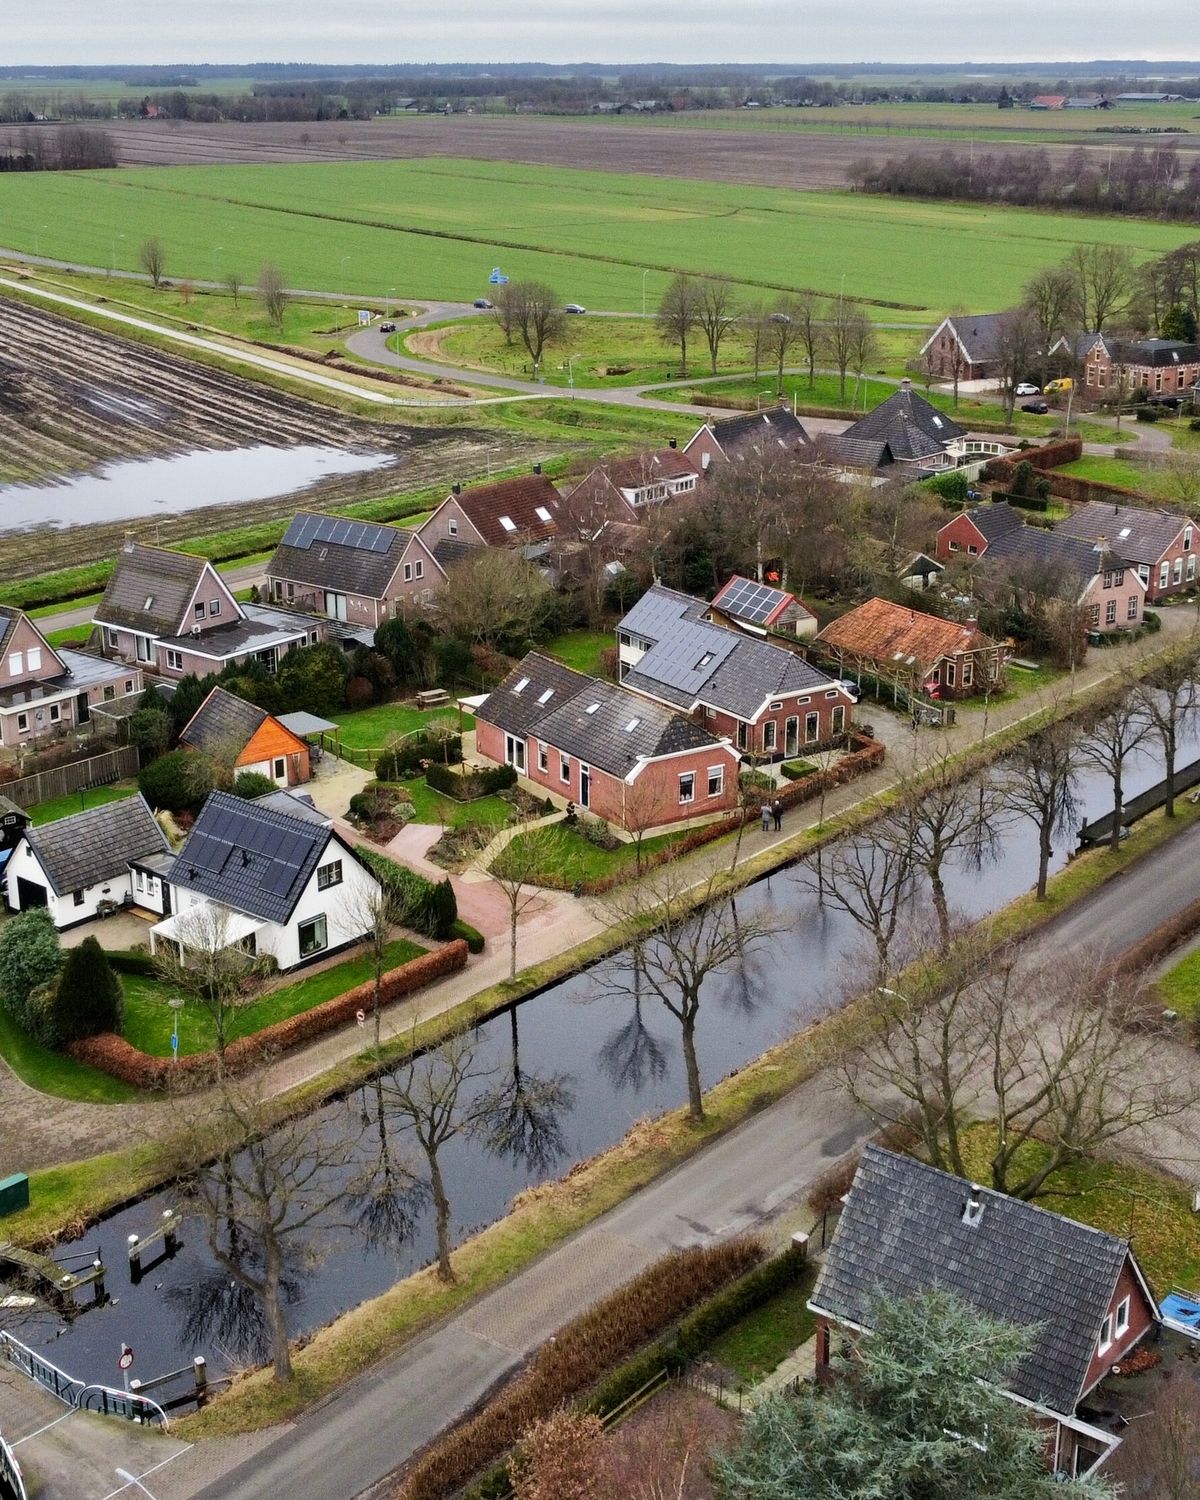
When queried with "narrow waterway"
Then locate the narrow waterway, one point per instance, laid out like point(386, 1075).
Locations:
point(614, 1061)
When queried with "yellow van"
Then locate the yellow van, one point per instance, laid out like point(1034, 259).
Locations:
point(1056, 387)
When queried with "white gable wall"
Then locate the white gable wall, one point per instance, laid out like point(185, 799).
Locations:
point(64, 910)
point(344, 906)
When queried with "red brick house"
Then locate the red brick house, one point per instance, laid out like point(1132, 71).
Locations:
point(46, 690)
point(966, 347)
point(922, 653)
point(356, 572)
point(635, 764)
point(768, 699)
point(907, 1228)
point(731, 439)
point(1163, 367)
point(520, 512)
point(624, 487)
point(1161, 544)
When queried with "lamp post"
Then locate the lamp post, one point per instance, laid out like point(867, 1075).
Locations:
point(387, 302)
point(644, 275)
point(571, 358)
point(176, 1004)
point(342, 271)
point(216, 250)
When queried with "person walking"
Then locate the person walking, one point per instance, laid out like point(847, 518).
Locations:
point(777, 813)
point(766, 817)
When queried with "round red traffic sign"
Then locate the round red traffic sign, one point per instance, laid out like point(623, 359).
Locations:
point(126, 1358)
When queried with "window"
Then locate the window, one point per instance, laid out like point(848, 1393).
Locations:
point(543, 759)
point(328, 875)
point(199, 610)
point(1106, 1334)
point(22, 723)
point(110, 637)
point(1121, 1325)
point(775, 707)
point(175, 660)
point(313, 937)
point(151, 886)
point(77, 897)
point(139, 881)
point(968, 673)
point(716, 780)
point(1108, 578)
point(278, 767)
point(1110, 612)
point(1191, 567)
point(1177, 571)
point(16, 664)
point(1187, 538)
point(1131, 609)
point(508, 523)
point(1118, 578)
point(972, 550)
point(55, 712)
point(837, 720)
point(214, 606)
point(1164, 575)
point(419, 569)
point(110, 693)
point(951, 673)
point(1094, 615)
point(452, 526)
point(33, 658)
point(408, 572)
point(812, 728)
point(769, 731)
point(687, 787)
point(564, 768)
point(954, 546)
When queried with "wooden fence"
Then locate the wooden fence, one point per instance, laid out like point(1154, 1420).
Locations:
point(77, 776)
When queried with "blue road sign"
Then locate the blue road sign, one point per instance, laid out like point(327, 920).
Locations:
point(174, 1041)
point(498, 278)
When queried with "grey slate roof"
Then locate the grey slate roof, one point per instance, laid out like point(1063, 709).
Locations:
point(149, 589)
point(753, 429)
point(96, 845)
point(529, 692)
point(902, 1232)
point(912, 427)
point(978, 334)
point(858, 453)
point(1157, 353)
point(348, 567)
point(224, 723)
point(451, 550)
point(260, 628)
point(1073, 558)
point(995, 520)
point(248, 856)
point(1141, 535)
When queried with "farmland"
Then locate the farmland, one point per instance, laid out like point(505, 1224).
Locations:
point(435, 229)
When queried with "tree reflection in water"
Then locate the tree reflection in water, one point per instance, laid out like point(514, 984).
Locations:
point(633, 1056)
point(525, 1114)
point(391, 1196)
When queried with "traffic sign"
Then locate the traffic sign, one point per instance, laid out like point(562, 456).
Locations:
point(126, 1359)
point(498, 278)
point(174, 1041)
point(364, 317)
point(361, 1017)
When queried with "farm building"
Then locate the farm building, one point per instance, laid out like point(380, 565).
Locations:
point(919, 652)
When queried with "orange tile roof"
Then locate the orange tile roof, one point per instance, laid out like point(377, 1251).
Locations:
point(893, 633)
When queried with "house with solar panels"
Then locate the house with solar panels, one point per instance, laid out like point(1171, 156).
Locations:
point(636, 764)
point(355, 572)
point(761, 609)
point(768, 700)
point(173, 614)
point(271, 876)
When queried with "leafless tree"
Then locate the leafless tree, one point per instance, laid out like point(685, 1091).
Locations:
point(266, 1200)
point(870, 879)
point(716, 314)
point(1050, 299)
point(377, 912)
point(273, 293)
point(632, 1055)
point(491, 594)
point(1105, 278)
point(538, 317)
point(443, 1093)
point(678, 314)
point(1039, 781)
point(233, 285)
point(863, 346)
point(1181, 467)
point(390, 1195)
point(1017, 344)
point(1158, 1453)
point(207, 963)
point(783, 333)
point(1170, 698)
point(758, 333)
point(152, 257)
point(844, 336)
point(805, 312)
point(1109, 742)
point(680, 938)
point(187, 290)
point(507, 303)
point(513, 872)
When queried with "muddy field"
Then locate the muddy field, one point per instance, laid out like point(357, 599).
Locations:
point(766, 158)
point(72, 397)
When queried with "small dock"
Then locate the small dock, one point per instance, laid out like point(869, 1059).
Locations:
point(1187, 778)
point(41, 1269)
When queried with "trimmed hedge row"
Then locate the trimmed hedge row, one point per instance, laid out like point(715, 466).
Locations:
point(112, 1054)
point(472, 936)
point(410, 756)
point(582, 1352)
point(430, 906)
point(1022, 502)
point(1047, 456)
point(130, 961)
point(471, 785)
point(1081, 491)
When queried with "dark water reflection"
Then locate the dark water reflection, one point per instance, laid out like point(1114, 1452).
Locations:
point(607, 1061)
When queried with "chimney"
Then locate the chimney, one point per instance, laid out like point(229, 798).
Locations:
point(973, 1208)
point(537, 468)
point(906, 384)
point(456, 489)
point(671, 443)
point(1101, 544)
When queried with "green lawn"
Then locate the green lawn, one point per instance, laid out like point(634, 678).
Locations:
point(371, 728)
point(148, 1017)
point(439, 225)
point(1180, 986)
point(1020, 684)
point(768, 1335)
point(571, 857)
point(581, 649)
point(96, 796)
point(53, 1073)
point(1147, 479)
point(70, 635)
point(432, 807)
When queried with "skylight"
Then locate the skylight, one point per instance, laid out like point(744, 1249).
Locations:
point(546, 696)
point(542, 513)
point(632, 725)
point(937, 421)
point(592, 708)
point(704, 661)
point(1123, 533)
point(506, 522)
point(149, 601)
point(522, 685)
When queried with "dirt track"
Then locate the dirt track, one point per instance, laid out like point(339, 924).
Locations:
point(72, 397)
point(783, 158)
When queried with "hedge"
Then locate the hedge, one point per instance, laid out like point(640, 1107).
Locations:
point(1022, 502)
point(579, 1354)
point(430, 906)
point(1081, 491)
point(129, 961)
point(1047, 456)
point(469, 786)
point(472, 936)
point(112, 1054)
point(411, 755)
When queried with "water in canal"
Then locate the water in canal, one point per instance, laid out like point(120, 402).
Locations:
point(616, 1063)
point(184, 481)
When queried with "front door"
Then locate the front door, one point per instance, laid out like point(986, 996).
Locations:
point(142, 648)
point(791, 736)
point(585, 786)
point(514, 751)
point(83, 710)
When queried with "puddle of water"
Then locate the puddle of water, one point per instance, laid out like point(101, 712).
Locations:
point(163, 486)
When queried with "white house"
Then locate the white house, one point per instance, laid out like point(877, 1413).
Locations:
point(271, 875)
point(82, 866)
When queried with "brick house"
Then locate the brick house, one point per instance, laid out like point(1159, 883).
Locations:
point(760, 609)
point(230, 730)
point(941, 658)
point(624, 487)
point(520, 512)
point(356, 572)
point(1163, 367)
point(1105, 586)
point(635, 764)
point(967, 345)
point(46, 690)
point(731, 439)
point(1161, 544)
point(767, 699)
point(907, 1228)
point(173, 614)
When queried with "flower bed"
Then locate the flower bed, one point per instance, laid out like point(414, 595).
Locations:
point(112, 1054)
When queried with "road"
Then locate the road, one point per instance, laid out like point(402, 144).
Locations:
point(751, 1178)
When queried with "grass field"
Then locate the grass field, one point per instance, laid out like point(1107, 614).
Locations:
point(95, 796)
point(372, 728)
point(1150, 479)
point(437, 227)
point(581, 649)
point(571, 857)
point(1180, 986)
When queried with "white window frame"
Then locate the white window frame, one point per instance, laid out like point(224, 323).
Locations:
point(319, 925)
point(55, 712)
point(1131, 609)
point(837, 720)
point(111, 638)
point(1110, 612)
point(1191, 567)
point(1106, 1335)
point(174, 659)
point(716, 781)
point(812, 727)
point(1177, 571)
point(1164, 574)
point(214, 607)
point(770, 734)
point(22, 723)
point(968, 674)
point(451, 526)
point(329, 875)
point(543, 758)
point(564, 768)
point(1121, 1318)
point(16, 664)
point(408, 573)
point(279, 766)
point(419, 568)
point(1187, 538)
point(33, 659)
point(687, 787)
point(198, 611)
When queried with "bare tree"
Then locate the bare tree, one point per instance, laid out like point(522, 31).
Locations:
point(716, 314)
point(233, 285)
point(863, 346)
point(679, 314)
point(1158, 1453)
point(266, 1200)
point(1110, 741)
point(1181, 467)
point(1050, 299)
point(538, 317)
point(758, 331)
point(805, 312)
point(493, 594)
point(152, 257)
point(870, 879)
point(1169, 698)
point(508, 299)
point(680, 938)
point(1039, 781)
point(377, 912)
point(1017, 343)
point(272, 293)
point(513, 872)
point(1105, 278)
point(845, 336)
point(525, 1118)
point(207, 963)
point(782, 333)
point(443, 1093)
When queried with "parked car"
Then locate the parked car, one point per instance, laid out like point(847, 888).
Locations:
point(1059, 387)
point(1038, 408)
point(778, 317)
point(575, 307)
point(387, 327)
point(1171, 401)
point(1027, 388)
point(482, 302)
point(851, 688)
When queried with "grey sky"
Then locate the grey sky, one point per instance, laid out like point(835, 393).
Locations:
point(606, 31)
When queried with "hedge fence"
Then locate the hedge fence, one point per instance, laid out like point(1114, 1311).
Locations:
point(112, 1054)
point(1047, 456)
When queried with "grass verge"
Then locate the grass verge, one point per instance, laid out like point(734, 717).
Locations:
point(765, 1337)
point(53, 1073)
point(1180, 986)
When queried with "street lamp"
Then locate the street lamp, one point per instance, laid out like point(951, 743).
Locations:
point(342, 271)
point(388, 302)
point(644, 275)
point(216, 250)
point(571, 358)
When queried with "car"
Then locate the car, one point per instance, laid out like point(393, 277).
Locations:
point(1027, 388)
point(851, 689)
point(483, 303)
point(778, 317)
point(974, 494)
point(1171, 401)
point(1055, 387)
point(1038, 408)
point(575, 307)
point(387, 327)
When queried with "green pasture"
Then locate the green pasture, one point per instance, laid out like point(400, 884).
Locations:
point(437, 227)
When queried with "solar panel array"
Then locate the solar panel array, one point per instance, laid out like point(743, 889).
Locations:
point(248, 857)
point(364, 536)
point(747, 600)
point(676, 660)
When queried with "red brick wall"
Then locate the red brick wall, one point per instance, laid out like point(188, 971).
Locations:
point(701, 446)
point(1141, 1320)
point(792, 708)
point(963, 533)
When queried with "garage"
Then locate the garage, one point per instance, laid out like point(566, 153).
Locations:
point(29, 893)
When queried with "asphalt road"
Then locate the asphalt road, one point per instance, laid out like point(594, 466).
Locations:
point(757, 1173)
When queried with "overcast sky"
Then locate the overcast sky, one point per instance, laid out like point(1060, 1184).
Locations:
point(605, 31)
